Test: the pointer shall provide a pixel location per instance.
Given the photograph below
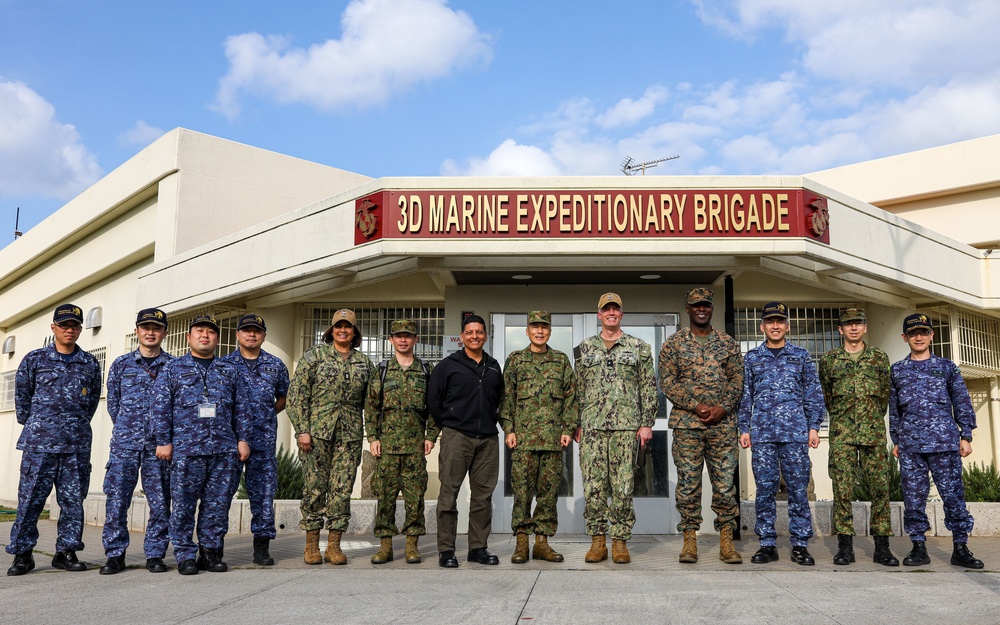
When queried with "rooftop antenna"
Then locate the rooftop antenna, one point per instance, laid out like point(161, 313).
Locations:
point(630, 167)
point(17, 220)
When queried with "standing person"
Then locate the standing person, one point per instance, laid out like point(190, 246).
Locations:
point(56, 393)
point(464, 398)
point(199, 425)
point(401, 434)
point(266, 380)
point(538, 416)
point(325, 404)
point(617, 405)
point(133, 451)
point(780, 413)
point(855, 380)
point(701, 373)
point(931, 421)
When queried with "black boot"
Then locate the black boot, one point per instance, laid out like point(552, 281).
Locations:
point(845, 549)
point(800, 555)
point(202, 562)
point(261, 555)
point(961, 556)
point(883, 555)
point(67, 561)
point(764, 555)
point(213, 561)
point(114, 565)
point(918, 555)
point(23, 563)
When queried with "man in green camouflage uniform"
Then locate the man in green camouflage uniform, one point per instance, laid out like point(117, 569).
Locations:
point(701, 373)
point(400, 434)
point(325, 403)
point(538, 416)
point(855, 380)
point(617, 397)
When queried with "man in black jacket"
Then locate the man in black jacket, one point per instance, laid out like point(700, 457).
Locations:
point(464, 397)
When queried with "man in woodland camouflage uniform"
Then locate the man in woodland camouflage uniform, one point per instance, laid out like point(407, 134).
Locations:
point(538, 416)
point(400, 435)
point(617, 390)
point(701, 373)
point(855, 380)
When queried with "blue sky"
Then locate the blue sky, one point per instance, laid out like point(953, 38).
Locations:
point(463, 87)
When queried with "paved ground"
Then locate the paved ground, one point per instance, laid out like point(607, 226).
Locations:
point(655, 588)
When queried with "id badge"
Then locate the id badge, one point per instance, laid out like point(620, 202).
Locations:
point(206, 411)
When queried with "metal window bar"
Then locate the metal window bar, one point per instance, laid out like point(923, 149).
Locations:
point(7, 381)
point(176, 340)
point(375, 321)
point(101, 354)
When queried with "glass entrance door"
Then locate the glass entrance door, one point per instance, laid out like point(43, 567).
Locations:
point(654, 485)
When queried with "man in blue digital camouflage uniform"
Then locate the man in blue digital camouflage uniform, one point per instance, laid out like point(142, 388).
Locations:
point(198, 424)
point(130, 389)
point(930, 422)
point(266, 381)
point(780, 415)
point(56, 393)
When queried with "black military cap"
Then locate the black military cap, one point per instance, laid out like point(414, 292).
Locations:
point(151, 315)
point(204, 320)
point(917, 321)
point(774, 309)
point(251, 321)
point(68, 312)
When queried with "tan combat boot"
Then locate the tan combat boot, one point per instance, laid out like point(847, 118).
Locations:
point(727, 551)
point(384, 553)
point(598, 551)
point(689, 552)
point(412, 553)
point(312, 554)
point(542, 550)
point(619, 552)
point(333, 553)
point(520, 555)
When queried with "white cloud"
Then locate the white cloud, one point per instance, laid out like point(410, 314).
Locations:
point(141, 134)
point(39, 155)
point(508, 159)
point(386, 46)
point(629, 111)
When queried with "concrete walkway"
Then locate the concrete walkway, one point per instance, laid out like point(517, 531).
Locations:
point(655, 588)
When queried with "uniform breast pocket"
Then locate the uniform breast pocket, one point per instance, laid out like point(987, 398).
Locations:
point(130, 379)
point(46, 377)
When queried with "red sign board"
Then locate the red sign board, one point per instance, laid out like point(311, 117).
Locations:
point(538, 214)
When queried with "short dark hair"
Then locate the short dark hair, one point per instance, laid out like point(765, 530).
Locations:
point(473, 319)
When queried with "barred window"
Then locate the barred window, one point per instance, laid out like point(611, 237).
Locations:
point(176, 340)
point(7, 390)
point(101, 354)
point(375, 321)
point(813, 328)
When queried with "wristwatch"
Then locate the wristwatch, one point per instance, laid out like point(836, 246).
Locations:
point(967, 439)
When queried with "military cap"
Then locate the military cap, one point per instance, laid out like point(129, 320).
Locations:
point(699, 295)
point(917, 321)
point(403, 326)
point(774, 309)
point(151, 315)
point(68, 312)
point(609, 298)
point(344, 314)
point(540, 316)
point(204, 320)
point(251, 321)
point(852, 314)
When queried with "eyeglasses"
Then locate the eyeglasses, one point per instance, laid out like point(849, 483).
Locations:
point(69, 325)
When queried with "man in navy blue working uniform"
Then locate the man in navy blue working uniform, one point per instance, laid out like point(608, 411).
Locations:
point(197, 424)
point(780, 414)
point(130, 389)
point(266, 381)
point(56, 393)
point(930, 422)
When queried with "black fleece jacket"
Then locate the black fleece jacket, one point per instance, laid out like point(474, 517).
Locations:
point(465, 395)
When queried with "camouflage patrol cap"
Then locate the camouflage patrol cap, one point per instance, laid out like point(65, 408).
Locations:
point(204, 320)
point(852, 314)
point(403, 326)
point(539, 316)
point(251, 321)
point(917, 321)
point(609, 298)
point(774, 309)
point(68, 312)
point(151, 315)
point(699, 295)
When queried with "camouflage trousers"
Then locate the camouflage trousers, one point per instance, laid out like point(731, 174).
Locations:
point(329, 471)
point(915, 470)
point(122, 473)
point(770, 462)
point(873, 462)
point(70, 474)
point(606, 463)
point(261, 473)
point(692, 450)
point(535, 474)
point(205, 484)
point(395, 473)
